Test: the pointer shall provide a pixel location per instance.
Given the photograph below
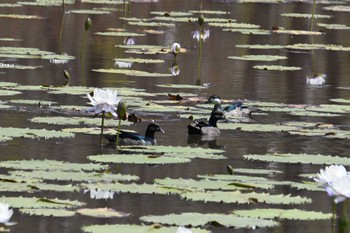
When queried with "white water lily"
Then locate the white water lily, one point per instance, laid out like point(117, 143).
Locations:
point(201, 35)
point(175, 48)
point(183, 230)
point(341, 189)
point(104, 101)
point(330, 174)
point(5, 213)
point(100, 194)
point(316, 80)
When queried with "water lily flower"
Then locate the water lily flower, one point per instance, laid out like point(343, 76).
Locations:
point(330, 174)
point(316, 80)
point(100, 194)
point(182, 229)
point(341, 188)
point(104, 101)
point(203, 35)
point(174, 69)
point(129, 41)
point(175, 48)
point(123, 64)
point(5, 213)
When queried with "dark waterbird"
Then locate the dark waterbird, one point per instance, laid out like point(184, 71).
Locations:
point(132, 138)
point(236, 109)
point(207, 128)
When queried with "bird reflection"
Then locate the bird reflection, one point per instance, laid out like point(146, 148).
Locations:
point(200, 140)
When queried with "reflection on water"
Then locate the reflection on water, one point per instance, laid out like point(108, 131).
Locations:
point(205, 61)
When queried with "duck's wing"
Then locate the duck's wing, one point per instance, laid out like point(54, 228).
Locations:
point(233, 106)
point(124, 135)
point(196, 127)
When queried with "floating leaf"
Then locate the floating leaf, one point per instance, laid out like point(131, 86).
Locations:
point(244, 197)
point(137, 159)
point(51, 165)
point(258, 57)
point(120, 34)
point(102, 213)
point(9, 92)
point(73, 121)
point(181, 86)
point(9, 133)
point(299, 158)
point(138, 60)
point(276, 67)
point(198, 219)
point(258, 46)
point(331, 47)
point(307, 16)
point(137, 73)
point(48, 212)
point(34, 202)
point(73, 176)
point(135, 229)
point(293, 214)
point(89, 12)
point(14, 16)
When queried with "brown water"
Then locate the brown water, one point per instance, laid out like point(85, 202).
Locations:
point(230, 78)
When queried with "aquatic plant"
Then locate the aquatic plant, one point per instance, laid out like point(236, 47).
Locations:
point(121, 110)
point(87, 26)
point(5, 213)
point(103, 101)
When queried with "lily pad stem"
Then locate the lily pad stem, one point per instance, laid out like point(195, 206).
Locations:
point(118, 132)
point(313, 15)
point(102, 125)
point(199, 57)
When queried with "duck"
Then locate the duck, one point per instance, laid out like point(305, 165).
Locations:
point(133, 138)
point(236, 109)
point(207, 128)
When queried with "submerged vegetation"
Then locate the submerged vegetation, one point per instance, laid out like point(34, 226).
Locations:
point(246, 177)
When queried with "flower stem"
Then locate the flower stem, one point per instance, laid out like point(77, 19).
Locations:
point(117, 142)
point(102, 125)
point(82, 45)
point(313, 15)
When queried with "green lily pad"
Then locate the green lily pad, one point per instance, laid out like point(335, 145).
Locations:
point(276, 67)
point(14, 16)
point(258, 57)
point(248, 31)
point(135, 229)
point(10, 133)
point(32, 102)
point(252, 127)
point(299, 158)
point(34, 187)
point(137, 159)
point(260, 46)
point(340, 8)
point(139, 60)
point(38, 203)
point(74, 121)
point(293, 214)
point(102, 213)
point(181, 86)
point(134, 73)
point(52, 165)
point(18, 67)
point(307, 16)
point(89, 12)
point(48, 212)
point(45, 2)
point(244, 197)
point(73, 176)
point(30, 53)
point(120, 34)
point(331, 47)
point(9, 92)
point(234, 25)
point(198, 219)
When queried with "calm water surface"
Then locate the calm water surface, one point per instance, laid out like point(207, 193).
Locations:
point(231, 79)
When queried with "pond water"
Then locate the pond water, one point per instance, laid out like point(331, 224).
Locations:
point(229, 78)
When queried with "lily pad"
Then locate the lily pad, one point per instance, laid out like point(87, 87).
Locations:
point(52, 165)
point(73, 121)
point(135, 229)
point(276, 67)
point(198, 219)
point(307, 16)
point(293, 214)
point(34, 202)
point(134, 73)
point(48, 212)
point(258, 57)
point(102, 213)
point(10, 133)
point(299, 158)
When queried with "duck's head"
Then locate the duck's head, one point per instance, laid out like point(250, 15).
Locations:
point(214, 99)
point(154, 127)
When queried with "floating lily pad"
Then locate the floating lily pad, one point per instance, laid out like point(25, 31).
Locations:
point(333, 26)
point(211, 12)
point(258, 57)
point(198, 219)
point(307, 16)
point(135, 73)
point(33, 186)
point(18, 67)
point(135, 229)
point(248, 31)
point(297, 32)
point(9, 92)
point(32, 102)
point(276, 67)
point(74, 176)
point(293, 214)
point(139, 60)
point(34, 202)
point(89, 12)
point(233, 25)
point(23, 52)
point(181, 86)
point(45, 2)
point(10, 133)
point(252, 127)
point(73, 121)
point(48, 212)
point(244, 197)
point(258, 46)
point(102, 213)
point(52, 165)
point(137, 159)
point(120, 34)
point(14, 16)
point(331, 47)
point(299, 158)
point(341, 8)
